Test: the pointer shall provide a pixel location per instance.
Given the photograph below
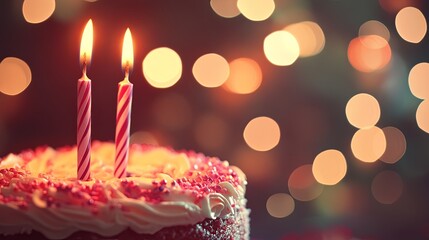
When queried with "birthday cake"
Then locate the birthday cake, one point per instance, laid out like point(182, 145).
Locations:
point(165, 195)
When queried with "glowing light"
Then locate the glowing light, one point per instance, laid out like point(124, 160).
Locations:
point(162, 67)
point(143, 137)
point(211, 70)
point(419, 81)
point(363, 110)
point(280, 205)
point(374, 27)
point(329, 167)
point(262, 134)
point(256, 10)
point(225, 8)
point(310, 37)
point(302, 184)
point(172, 111)
point(368, 144)
point(15, 76)
point(422, 116)
point(245, 76)
point(396, 145)
point(86, 43)
point(387, 187)
point(281, 48)
point(127, 51)
point(411, 24)
point(369, 53)
point(211, 132)
point(37, 11)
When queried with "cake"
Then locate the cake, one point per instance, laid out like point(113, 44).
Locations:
point(166, 195)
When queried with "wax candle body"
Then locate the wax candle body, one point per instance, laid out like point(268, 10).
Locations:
point(123, 122)
point(84, 128)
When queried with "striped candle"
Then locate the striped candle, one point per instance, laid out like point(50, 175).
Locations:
point(123, 110)
point(84, 128)
point(123, 121)
point(84, 108)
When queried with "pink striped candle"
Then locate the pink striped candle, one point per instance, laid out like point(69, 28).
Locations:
point(123, 110)
point(84, 128)
point(84, 108)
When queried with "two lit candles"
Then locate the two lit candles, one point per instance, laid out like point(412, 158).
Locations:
point(123, 111)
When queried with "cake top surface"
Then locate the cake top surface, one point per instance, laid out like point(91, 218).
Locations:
point(162, 188)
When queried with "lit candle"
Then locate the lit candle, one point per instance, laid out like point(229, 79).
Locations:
point(84, 108)
point(123, 110)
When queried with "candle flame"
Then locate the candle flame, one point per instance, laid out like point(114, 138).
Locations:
point(127, 52)
point(86, 44)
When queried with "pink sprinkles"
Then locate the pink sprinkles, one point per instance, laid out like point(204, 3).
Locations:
point(203, 178)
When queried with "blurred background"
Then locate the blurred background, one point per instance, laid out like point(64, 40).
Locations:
point(321, 103)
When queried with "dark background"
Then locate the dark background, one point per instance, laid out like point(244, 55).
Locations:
point(306, 99)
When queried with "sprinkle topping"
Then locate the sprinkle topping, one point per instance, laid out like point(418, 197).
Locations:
point(51, 185)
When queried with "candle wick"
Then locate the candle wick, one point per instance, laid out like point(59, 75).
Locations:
point(84, 66)
point(84, 70)
point(127, 70)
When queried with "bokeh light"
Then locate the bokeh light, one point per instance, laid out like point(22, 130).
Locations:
point(256, 10)
point(419, 81)
point(280, 205)
point(262, 134)
point(281, 48)
point(396, 145)
point(37, 11)
point(211, 70)
point(369, 53)
point(411, 24)
point(172, 111)
point(211, 131)
point(387, 187)
point(363, 110)
point(310, 37)
point(422, 116)
point(143, 137)
point(329, 167)
point(162, 67)
point(368, 144)
point(302, 184)
point(374, 27)
point(225, 8)
point(15, 76)
point(245, 76)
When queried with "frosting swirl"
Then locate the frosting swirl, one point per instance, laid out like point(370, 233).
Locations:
point(39, 191)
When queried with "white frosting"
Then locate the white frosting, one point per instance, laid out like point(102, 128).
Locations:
point(178, 207)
